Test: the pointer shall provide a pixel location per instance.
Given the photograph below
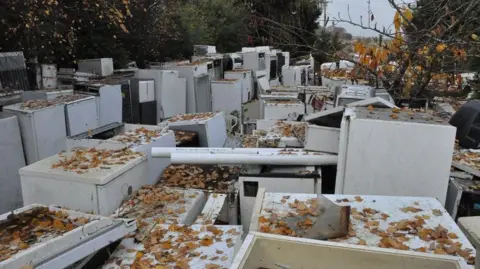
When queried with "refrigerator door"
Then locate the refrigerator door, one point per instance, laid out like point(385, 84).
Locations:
point(203, 94)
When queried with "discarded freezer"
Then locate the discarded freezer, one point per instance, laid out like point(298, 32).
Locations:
point(44, 94)
point(282, 109)
point(405, 153)
point(141, 138)
point(294, 179)
point(375, 221)
point(168, 246)
point(227, 95)
point(247, 81)
point(109, 102)
point(272, 251)
point(170, 91)
point(42, 126)
point(91, 180)
point(211, 127)
point(52, 237)
point(80, 113)
point(102, 67)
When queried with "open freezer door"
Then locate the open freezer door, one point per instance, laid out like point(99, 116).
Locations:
point(203, 93)
point(263, 85)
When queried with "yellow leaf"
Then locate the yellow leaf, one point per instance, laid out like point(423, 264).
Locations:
point(474, 37)
point(47, 12)
point(441, 47)
point(408, 14)
point(397, 21)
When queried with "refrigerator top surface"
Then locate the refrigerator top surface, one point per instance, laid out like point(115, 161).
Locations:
point(398, 115)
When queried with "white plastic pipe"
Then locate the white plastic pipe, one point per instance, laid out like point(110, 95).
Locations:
point(165, 152)
point(232, 159)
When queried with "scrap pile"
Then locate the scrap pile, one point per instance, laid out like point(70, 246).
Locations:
point(470, 158)
point(23, 230)
point(81, 161)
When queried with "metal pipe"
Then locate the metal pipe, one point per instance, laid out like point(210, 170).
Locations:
point(165, 152)
point(258, 159)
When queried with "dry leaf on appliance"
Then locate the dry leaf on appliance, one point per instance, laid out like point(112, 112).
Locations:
point(411, 209)
point(358, 199)
point(212, 266)
point(437, 212)
point(362, 242)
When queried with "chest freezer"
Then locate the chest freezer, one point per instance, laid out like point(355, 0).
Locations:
point(49, 235)
point(198, 94)
point(102, 67)
point(272, 251)
point(227, 95)
point(213, 180)
point(196, 246)
point(281, 109)
point(211, 127)
point(89, 180)
point(141, 138)
point(382, 152)
point(246, 77)
point(170, 91)
point(42, 127)
point(294, 179)
point(44, 94)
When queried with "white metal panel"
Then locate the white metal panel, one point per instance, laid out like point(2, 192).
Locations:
point(279, 111)
point(246, 79)
point(110, 104)
point(11, 159)
point(227, 96)
point(212, 131)
point(380, 160)
point(81, 116)
point(146, 91)
point(320, 138)
point(49, 76)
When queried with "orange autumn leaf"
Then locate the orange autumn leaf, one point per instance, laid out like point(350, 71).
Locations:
point(205, 242)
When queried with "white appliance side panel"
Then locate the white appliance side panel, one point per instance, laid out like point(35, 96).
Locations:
point(173, 94)
point(50, 131)
point(226, 97)
point(156, 75)
point(73, 195)
point(25, 122)
point(110, 104)
point(282, 185)
point(381, 161)
point(216, 129)
point(281, 112)
point(146, 91)
point(156, 165)
point(111, 195)
point(190, 89)
point(320, 138)
point(11, 159)
point(81, 116)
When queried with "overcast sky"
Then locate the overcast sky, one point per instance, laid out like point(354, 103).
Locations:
point(381, 9)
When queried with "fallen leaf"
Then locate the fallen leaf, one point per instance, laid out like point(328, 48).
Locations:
point(205, 242)
point(437, 212)
point(224, 258)
point(283, 201)
point(219, 251)
point(411, 209)
point(452, 236)
point(58, 224)
point(262, 219)
point(439, 251)
point(362, 242)
point(358, 199)
point(204, 257)
point(212, 266)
